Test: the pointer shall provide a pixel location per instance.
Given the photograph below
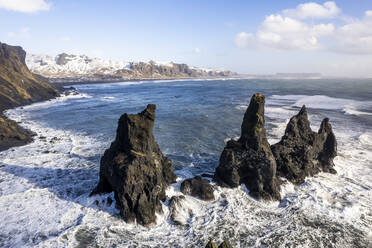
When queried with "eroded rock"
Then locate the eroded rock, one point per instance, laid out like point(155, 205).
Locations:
point(198, 187)
point(302, 152)
point(250, 160)
point(225, 244)
point(135, 169)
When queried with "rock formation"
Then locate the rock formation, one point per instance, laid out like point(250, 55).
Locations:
point(198, 187)
point(180, 210)
point(135, 169)
point(249, 160)
point(302, 152)
point(18, 86)
point(210, 244)
point(224, 244)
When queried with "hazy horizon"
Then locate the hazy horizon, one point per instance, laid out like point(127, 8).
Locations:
point(333, 38)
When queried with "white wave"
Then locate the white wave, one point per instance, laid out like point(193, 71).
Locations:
point(349, 106)
point(44, 200)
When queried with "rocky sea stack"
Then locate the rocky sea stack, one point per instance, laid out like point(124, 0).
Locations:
point(135, 169)
point(302, 152)
point(249, 160)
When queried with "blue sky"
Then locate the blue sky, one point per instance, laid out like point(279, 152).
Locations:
point(255, 37)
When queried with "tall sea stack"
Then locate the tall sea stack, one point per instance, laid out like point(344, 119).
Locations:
point(249, 160)
point(302, 152)
point(135, 169)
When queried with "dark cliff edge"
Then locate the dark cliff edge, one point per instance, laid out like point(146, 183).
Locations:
point(18, 87)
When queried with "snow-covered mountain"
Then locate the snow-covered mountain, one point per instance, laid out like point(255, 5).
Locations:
point(66, 67)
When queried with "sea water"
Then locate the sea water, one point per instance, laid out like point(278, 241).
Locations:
point(45, 185)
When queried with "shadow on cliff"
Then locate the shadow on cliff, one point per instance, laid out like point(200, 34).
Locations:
point(73, 185)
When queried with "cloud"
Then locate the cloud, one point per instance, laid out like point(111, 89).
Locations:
point(292, 31)
point(285, 33)
point(313, 10)
point(11, 34)
point(243, 40)
point(356, 36)
point(26, 6)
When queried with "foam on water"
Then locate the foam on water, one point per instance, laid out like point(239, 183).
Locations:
point(349, 106)
point(44, 188)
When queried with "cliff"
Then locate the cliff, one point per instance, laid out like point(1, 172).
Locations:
point(18, 86)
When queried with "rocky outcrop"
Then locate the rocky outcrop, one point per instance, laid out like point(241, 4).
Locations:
point(224, 244)
point(249, 160)
point(135, 169)
point(302, 152)
point(210, 244)
point(18, 86)
point(11, 134)
point(198, 187)
point(180, 210)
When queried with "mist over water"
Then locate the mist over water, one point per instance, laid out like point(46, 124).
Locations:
point(44, 186)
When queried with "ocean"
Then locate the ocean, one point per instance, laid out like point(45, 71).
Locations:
point(44, 186)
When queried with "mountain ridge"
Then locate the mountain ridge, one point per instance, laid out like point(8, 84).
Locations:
point(69, 67)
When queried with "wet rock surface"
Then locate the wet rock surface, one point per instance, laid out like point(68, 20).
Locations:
point(225, 244)
point(135, 169)
point(198, 187)
point(249, 160)
point(253, 162)
point(302, 152)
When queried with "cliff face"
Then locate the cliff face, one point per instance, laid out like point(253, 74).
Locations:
point(68, 67)
point(18, 86)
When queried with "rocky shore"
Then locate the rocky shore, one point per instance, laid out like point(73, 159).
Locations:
point(18, 86)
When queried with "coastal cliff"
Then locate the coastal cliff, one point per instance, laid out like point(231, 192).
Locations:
point(18, 86)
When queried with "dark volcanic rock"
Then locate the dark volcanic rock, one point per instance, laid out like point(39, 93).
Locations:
point(135, 168)
point(198, 187)
point(250, 160)
point(302, 152)
point(225, 244)
point(210, 244)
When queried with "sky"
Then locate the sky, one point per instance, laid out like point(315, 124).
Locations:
point(252, 37)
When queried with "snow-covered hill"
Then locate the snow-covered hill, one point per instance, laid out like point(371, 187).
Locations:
point(65, 67)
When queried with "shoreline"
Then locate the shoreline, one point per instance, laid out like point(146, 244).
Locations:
point(12, 134)
point(70, 83)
